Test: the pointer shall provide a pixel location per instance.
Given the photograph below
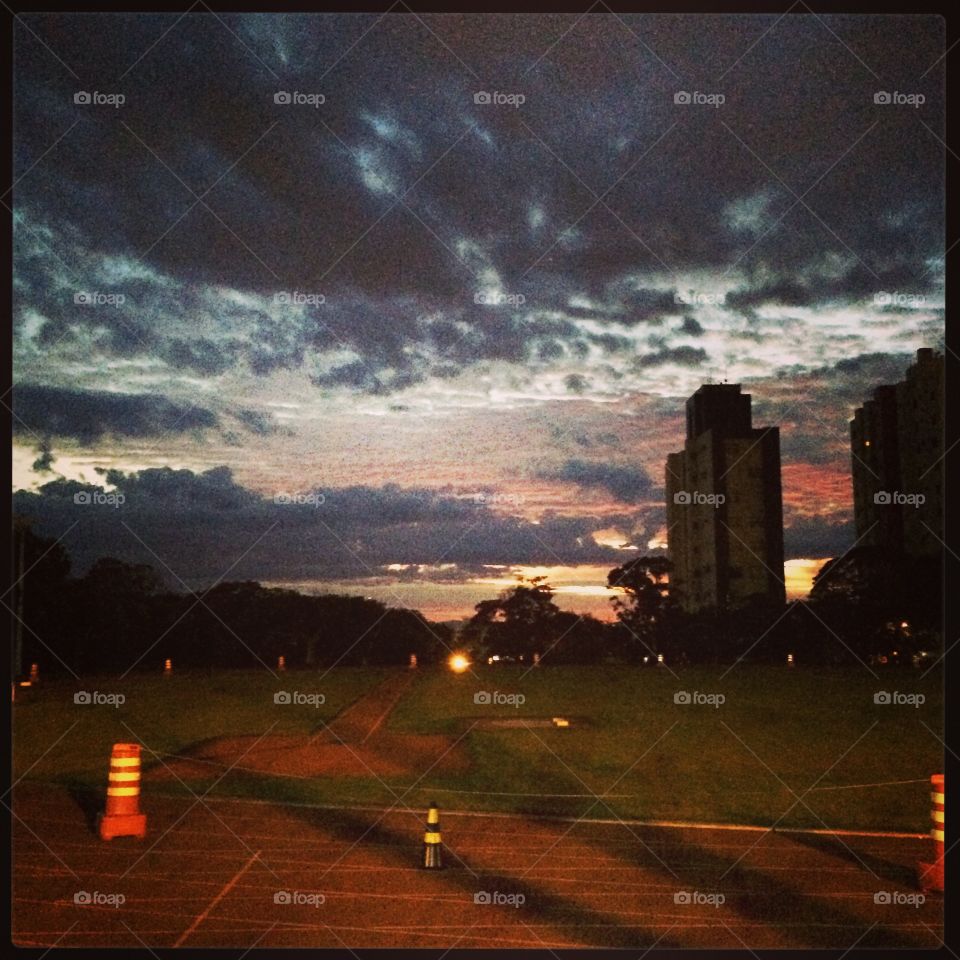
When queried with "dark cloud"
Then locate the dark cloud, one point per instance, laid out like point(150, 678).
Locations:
point(787, 292)
point(628, 484)
point(833, 389)
point(200, 355)
point(682, 356)
point(44, 462)
point(200, 523)
point(816, 537)
point(256, 421)
point(642, 305)
point(89, 415)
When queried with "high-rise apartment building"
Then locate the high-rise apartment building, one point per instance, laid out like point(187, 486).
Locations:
point(724, 506)
point(896, 445)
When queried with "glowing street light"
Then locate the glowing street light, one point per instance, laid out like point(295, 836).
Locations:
point(458, 663)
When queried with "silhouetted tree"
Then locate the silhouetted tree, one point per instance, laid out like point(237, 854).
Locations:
point(645, 610)
point(580, 638)
point(875, 602)
point(38, 597)
point(521, 621)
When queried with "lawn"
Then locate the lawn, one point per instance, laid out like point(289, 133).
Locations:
point(167, 716)
point(777, 730)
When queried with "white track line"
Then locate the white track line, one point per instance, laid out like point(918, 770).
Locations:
point(226, 889)
point(535, 818)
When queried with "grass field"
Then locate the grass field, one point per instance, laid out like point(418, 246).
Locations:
point(167, 716)
point(777, 731)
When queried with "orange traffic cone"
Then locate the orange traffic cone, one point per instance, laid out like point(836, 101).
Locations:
point(34, 672)
point(167, 669)
point(281, 663)
point(931, 874)
point(432, 842)
point(122, 817)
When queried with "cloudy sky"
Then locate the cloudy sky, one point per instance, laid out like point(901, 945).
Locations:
point(401, 305)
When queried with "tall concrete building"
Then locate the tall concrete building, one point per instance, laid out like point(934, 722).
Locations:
point(896, 446)
point(724, 506)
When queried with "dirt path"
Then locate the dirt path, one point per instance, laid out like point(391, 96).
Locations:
point(356, 743)
point(365, 716)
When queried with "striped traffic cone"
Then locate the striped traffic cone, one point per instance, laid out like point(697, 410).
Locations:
point(123, 818)
point(167, 669)
point(931, 874)
point(432, 842)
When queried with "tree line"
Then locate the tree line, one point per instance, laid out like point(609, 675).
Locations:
point(119, 615)
point(864, 606)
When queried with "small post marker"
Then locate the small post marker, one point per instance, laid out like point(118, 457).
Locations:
point(122, 817)
point(931, 874)
point(790, 660)
point(432, 842)
point(167, 669)
point(34, 672)
point(659, 659)
point(413, 661)
point(536, 659)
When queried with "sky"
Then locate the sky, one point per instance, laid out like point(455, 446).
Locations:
point(406, 305)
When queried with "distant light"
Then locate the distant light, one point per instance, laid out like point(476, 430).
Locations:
point(561, 722)
point(26, 683)
point(866, 443)
point(495, 657)
point(458, 663)
point(646, 659)
point(659, 658)
point(904, 625)
point(489, 661)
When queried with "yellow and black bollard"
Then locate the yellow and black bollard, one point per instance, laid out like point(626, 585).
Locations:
point(432, 842)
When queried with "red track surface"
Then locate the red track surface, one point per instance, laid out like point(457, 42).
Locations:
point(208, 874)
